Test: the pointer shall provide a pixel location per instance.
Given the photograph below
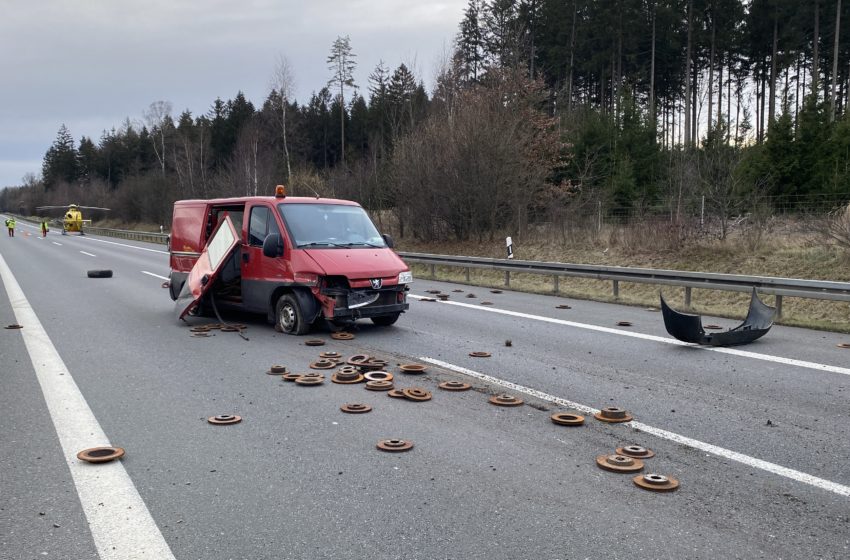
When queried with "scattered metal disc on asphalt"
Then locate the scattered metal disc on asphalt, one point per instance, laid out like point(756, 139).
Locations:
point(656, 482)
point(355, 408)
point(486, 303)
point(480, 354)
point(619, 463)
point(372, 364)
point(563, 306)
point(224, 419)
point(342, 336)
point(231, 328)
point(636, 451)
point(378, 376)
point(379, 385)
point(458, 291)
point(712, 327)
point(427, 299)
point(624, 323)
point(15, 326)
point(200, 335)
point(412, 368)
point(443, 297)
point(323, 364)
point(277, 370)
point(395, 445)
point(358, 359)
point(200, 329)
point(417, 394)
point(433, 291)
point(843, 344)
point(613, 414)
point(471, 295)
point(346, 378)
point(314, 342)
point(291, 376)
point(348, 369)
point(454, 386)
point(495, 291)
point(505, 400)
point(100, 454)
point(310, 379)
point(567, 419)
point(330, 355)
point(395, 393)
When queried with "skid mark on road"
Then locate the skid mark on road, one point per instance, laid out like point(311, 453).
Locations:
point(798, 476)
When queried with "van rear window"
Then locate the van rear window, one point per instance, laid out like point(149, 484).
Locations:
point(330, 225)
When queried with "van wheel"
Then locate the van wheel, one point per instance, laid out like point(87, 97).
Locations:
point(289, 318)
point(386, 320)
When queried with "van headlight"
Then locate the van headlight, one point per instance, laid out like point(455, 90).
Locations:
point(405, 277)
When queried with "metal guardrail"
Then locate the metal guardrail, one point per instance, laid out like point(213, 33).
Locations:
point(161, 238)
point(779, 287)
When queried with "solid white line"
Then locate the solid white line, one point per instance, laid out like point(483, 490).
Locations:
point(89, 254)
point(799, 476)
point(125, 245)
point(56, 243)
point(118, 518)
point(642, 336)
point(155, 275)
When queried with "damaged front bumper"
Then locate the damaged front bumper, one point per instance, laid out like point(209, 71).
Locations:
point(351, 304)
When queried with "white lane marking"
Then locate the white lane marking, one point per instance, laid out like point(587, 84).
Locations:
point(125, 245)
point(119, 520)
point(673, 341)
point(155, 275)
point(89, 254)
point(799, 476)
point(56, 243)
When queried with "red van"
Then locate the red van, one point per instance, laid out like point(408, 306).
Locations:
point(298, 260)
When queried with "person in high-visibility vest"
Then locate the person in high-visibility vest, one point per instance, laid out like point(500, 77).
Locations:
point(44, 229)
point(10, 223)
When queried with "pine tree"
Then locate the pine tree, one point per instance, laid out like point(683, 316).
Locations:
point(60, 161)
point(469, 43)
point(341, 62)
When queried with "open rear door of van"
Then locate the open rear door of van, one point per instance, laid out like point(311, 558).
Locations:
point(221, 245)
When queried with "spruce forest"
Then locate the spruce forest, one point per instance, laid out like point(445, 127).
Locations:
point(548, 115)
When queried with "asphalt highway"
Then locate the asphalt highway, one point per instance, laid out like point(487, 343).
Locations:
point(756, 435)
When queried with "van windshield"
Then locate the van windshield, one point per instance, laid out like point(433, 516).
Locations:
point(329, 225)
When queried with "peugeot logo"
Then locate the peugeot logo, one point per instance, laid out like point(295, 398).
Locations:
point(376, 283)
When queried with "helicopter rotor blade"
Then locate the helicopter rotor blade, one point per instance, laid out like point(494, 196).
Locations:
point(92, 208)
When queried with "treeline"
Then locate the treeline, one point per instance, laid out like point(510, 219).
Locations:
point(555, 113)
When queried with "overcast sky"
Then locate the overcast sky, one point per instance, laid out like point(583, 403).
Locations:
point(92, 63)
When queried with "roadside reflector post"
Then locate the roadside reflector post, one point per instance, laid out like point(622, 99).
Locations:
point(467, 274)
point(555, 279)
point(778, 306)
point(433, 271)
point(687, 297)
point(616, 284)
point(507, 278)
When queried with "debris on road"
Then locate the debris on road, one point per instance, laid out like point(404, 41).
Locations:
point(567, 419)
point(412, 368)
point(100, 454)
point(619, 463)
point(688, 328)
point(505, 400)
point(314, 342)
point(355, 408)
point(454, 386)
point(613, 414)
point(224, 419)
point(342, 336)
point(277, 370)
point(480, 354)
point(417, 394)
point(394, 445)
point(636, 451)
point(656, 482)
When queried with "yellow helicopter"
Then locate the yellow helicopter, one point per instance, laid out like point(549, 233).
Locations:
point(73, 220)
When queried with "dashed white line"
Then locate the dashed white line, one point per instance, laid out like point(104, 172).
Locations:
point(56, 243)
point(154, 275)
point(125, 245)
point(798, 476)
point(119, 520)
point(673, 341)
point(89, 254)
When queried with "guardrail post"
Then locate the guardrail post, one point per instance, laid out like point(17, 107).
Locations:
point(467, 274)
point(508, 278)
point(616, 284)
point(433, 271)
point(555, 281)
point(778, 307)
point(687, 297)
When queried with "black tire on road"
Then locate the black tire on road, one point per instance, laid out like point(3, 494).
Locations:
point(99, 274)
point(289, 317)
point(386, 320)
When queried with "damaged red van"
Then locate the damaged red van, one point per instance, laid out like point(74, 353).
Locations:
point(298, 260)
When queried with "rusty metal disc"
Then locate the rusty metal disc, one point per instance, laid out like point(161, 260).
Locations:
point(458, 291)
point(619, 463)
point(200, 335)
point(277, 370)
point(505, 400)
point(346, 378)
point(395, 393)
point(480, 354)
point(412, 368)
point(471, 295)
point(314, 342)
point(291, 376)
point(201, 329)
point(374, 364)
point(443, 297)
point(427, 299)
point(224, 419)
point(323, 364)
point(454, 386)
point(342, 336)
point(310, 380)
point(486, 303)
point(348, 369)
point(843, 344)
point(100, 454)
point(395, 445)
point(433, 292)
point(495, 291)
point(358, 359)
point(563, 306)
point(378, 376)
point(231, 328)
point(14, 326)
point(417, 394)
point(379, 385)
point(624, 323)
point(330, 355)
point(613, 415)
point(355, 408)
point(656, 482)
point(567, 419)
point(636, 451)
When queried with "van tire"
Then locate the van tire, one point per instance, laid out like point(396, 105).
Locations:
point(99, 274)
point(386, 320)
point(289, 317)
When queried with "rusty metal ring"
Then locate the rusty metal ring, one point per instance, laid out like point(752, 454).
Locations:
point(486, 303)
point(495, 291)
point(310, 380)
point(277, 370)
point(656, 482)
point(379, 385)
point(395, 393)
point(200, 329)
point(443, 297)
point(291, 376)
point(374, 364)
point(355, 408)
point(843, 344)
point(395, 445)
point(712, 327)
point(458, 291)
point(330, 355)
point(358, 359)
point(480, 354)
point(427, 299)
point(231, 328)
point(341, 379)
point(619, 463)
point(567, 419)
point(378, 376)
point(323, 364)
point(100, 454)
point(454, 386)
point(505, 400)
point(636, 451)
point(412, 368)
point(624, 323)
point(417, 394)
point(613, 415)
point(13, 326)
point(433, 291)
point(342, 336)
point(314, 342)
point(224, 419)
point(471, 295)
point(200, 335)
point(348, 369)
point(563, 306)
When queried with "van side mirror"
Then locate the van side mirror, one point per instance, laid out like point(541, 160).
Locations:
point(273, 246)
point(388, 240)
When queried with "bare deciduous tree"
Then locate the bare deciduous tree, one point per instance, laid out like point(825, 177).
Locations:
point(158, 120)
point(283, 81)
